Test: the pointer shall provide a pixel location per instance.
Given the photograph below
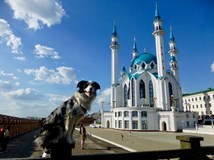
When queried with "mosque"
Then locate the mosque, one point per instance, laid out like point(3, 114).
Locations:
point(147, 96)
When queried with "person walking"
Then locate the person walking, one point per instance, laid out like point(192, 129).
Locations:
point(6, 138)
point(82, 135)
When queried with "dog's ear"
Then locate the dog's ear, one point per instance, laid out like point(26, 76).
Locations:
point(81, 84)
point(96, 85)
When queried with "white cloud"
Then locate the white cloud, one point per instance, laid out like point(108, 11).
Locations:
point(21, 58)
point(64, 75)
point(104, 96)
point(57, 99)
point(44, 51)
point(212, 67)
point(23, 94)
point(5, 85)
point(2, 73)
point(11, 40)
point(36, 13)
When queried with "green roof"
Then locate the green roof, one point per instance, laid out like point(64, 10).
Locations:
point(203, 91)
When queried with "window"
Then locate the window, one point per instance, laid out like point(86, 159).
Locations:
point(151, 94)
point(115, 123)
point(134, 124)
point(152, 65)
point(144, 125)
point(143, 65)
point(128, 93)
point(199, 98)
point(120, 124)
point(126, 114)
point(134, 114)
point(142, 89)
point(126, 123)
point(119, 114)
point(125, 95)
point(170, 92)
point(133, 92)
point(115, 114)
point(143, 114)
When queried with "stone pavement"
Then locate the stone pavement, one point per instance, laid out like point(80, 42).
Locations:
point(104, 141)
point(23, 147)
point(145, 141)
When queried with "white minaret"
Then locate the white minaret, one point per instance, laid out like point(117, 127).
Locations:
point(173, 56)
point(174, 67)
point(114, 66)
point(162, 95)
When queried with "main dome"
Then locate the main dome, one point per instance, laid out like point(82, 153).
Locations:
point(144, 57)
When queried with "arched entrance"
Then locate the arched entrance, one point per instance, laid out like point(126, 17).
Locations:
point(108, 124)
point(164, 128)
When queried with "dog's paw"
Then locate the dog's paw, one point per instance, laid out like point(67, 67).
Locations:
point(45, 155)
point(70, 140)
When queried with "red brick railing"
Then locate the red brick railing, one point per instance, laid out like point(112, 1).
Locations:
point(18, 126)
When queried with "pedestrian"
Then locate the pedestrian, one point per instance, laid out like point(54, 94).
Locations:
point(82, 135)
point(130, 133)
point(2, 137)
point(121, 137)
point(6, 138)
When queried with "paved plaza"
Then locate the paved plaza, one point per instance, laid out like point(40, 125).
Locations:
point(105, 141)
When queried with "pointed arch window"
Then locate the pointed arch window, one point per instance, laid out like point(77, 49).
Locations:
point(151, 94)
point(142, 89)
point(133, 92)
point(125, 95)
point(170, 92)
point(152, 65)
point(128, 92)
point(143, 66)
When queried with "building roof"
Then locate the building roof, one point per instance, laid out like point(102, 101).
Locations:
point(199, 92)
point(144, 57)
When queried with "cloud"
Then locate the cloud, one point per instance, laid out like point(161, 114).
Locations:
point(2, 73)
point(21, 58)
point(64, 75)
point(7, 35)
point(5, 85)
point(44, 51)
point(36, 13)
point(57, 99)
point(23, 94)
point(104, 96)
point(212, 67)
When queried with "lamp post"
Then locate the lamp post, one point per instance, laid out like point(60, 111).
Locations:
point(102, 114)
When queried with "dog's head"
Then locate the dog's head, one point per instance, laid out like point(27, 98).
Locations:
point(89, 88)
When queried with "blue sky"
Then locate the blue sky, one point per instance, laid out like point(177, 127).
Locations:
point(46, 47)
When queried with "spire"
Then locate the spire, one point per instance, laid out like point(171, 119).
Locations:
point(134, 46)
point(134, 50)
point(157, 15)
point(171, 38)
point(114, 33)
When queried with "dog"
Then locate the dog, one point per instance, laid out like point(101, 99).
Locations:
point(60, 124)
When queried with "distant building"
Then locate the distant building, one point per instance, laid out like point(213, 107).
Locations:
point(147, 96)
point(201, 102)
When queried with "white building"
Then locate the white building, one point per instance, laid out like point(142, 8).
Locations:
point(147, 97)
point(201, 102)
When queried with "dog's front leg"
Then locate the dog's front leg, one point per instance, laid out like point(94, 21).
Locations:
point(69, 127)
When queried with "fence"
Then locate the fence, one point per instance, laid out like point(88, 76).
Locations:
point(18, 126)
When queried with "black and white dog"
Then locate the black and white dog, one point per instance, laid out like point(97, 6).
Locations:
point(60, 124)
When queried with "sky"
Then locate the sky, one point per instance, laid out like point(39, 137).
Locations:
point(46, 47)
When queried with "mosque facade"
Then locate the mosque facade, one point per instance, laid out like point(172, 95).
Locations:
point(147, 96)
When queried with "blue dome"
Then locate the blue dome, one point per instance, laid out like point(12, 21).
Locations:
point(144, 57)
